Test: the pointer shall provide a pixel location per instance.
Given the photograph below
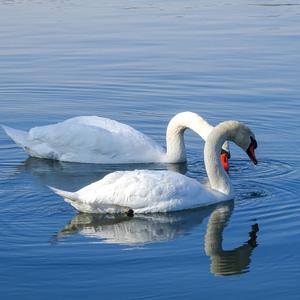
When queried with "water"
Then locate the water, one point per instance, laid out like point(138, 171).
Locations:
point(140, 62)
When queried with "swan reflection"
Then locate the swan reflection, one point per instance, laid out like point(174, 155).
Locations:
point(227, 262)
point(137, 230)
point(142, 229)
point(66, 175)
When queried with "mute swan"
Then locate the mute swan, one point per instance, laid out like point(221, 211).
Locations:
point(92, 139)
point(144, 191)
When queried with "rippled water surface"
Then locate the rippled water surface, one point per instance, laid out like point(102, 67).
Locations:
point(140, 62)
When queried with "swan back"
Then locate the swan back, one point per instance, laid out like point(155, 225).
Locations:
point(92, 139)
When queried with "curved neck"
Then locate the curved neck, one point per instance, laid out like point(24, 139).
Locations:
point(175, 131)
point(218, 178)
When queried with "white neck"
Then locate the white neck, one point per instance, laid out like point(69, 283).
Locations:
point(218, 178)
point(176, 127)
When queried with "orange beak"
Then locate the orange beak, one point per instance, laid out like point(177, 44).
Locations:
point(224, 161)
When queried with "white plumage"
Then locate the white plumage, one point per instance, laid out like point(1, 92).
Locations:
point(89, 139)
point(146, 191)
point(92, 139)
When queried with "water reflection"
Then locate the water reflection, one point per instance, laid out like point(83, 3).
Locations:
point(227, 262)
point(142, 229)
point(71, 176)
point(137, 230)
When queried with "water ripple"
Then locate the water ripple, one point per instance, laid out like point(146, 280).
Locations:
point(267, 168)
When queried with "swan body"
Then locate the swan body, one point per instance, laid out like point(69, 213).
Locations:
point(145, 191)
point(92, 139)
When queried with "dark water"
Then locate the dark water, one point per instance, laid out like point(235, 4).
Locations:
point(140, 62)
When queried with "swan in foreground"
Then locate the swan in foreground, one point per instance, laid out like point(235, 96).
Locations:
point(92, 139)
point(145, 191)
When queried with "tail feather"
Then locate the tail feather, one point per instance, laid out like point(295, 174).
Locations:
point(80, 205)
point(69, 196)
point(20, 137)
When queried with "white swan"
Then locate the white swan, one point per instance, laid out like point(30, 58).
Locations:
point(144, 191)
point(92, 139)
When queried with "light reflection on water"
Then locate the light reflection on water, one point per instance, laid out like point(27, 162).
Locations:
point(141, 62)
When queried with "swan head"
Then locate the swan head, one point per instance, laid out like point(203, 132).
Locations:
point(243, 137)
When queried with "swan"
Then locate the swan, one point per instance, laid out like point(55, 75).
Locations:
point(92, 139)
point(146, 191)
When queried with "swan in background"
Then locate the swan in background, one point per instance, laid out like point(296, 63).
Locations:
point(143, 229)
point(92, 139)
point(227, 262)
point(145, 191)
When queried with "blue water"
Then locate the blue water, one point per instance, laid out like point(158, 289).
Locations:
point(140, 62)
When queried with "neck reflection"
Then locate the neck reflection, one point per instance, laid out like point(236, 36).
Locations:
point(227, 262)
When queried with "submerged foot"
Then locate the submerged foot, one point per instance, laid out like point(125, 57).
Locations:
point(130, 212)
